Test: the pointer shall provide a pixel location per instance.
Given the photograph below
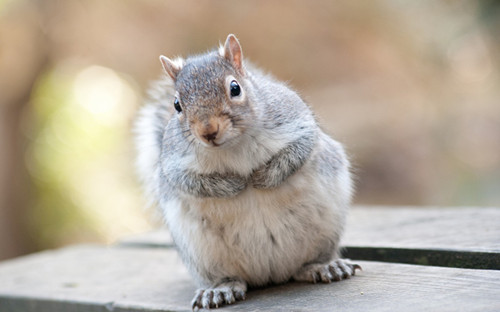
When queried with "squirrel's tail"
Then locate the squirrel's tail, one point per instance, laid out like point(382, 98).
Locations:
point(148, 132)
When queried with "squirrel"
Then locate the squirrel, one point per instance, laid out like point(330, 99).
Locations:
point(251, 189)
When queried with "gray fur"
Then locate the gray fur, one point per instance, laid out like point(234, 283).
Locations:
point(264, 202)
point(285, 163)
point(206, 185)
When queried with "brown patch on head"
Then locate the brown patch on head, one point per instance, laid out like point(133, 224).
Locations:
point(207, 130)
point(213, 130)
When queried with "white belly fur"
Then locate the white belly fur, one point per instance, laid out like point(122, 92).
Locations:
point(262, 236)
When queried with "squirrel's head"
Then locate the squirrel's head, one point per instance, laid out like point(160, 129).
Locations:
point(211, 95)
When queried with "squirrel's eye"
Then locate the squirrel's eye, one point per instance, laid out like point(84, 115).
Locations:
point(177, 105)
point(235, 88)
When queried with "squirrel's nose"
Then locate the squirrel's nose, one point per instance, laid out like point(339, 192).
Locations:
point(211, 136)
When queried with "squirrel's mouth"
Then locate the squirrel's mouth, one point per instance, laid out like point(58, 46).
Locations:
point(212, 143)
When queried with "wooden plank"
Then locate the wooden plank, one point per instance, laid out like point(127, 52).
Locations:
point(463, 237)
point(433, 257)
point(474, 229)
point(95, 278)
point(92, 278)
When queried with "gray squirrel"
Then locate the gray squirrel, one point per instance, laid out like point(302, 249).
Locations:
point(252, 190)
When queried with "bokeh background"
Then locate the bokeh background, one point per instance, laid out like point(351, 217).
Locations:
point(412, 88)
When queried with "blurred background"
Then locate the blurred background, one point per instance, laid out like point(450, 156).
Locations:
point(412, 88)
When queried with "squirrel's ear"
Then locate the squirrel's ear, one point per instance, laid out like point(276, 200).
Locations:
point(172, 68)
point(233, 53)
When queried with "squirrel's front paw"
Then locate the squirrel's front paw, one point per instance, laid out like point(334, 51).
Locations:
point(264, 178)
point(225, 293)
point(259, 178)
point(336, 270)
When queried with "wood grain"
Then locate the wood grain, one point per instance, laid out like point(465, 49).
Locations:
point(474, 229)
point(93, 278)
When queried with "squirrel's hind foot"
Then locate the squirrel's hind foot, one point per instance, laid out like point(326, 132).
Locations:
point(336, 270)
point(225, 293)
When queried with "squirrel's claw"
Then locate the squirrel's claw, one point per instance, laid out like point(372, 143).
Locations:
point(224, 294)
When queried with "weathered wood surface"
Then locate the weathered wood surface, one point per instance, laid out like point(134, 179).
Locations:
point(94, 278)
point(144, 273)
point(454, 237)
point(464, 237)
point(475, 229)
